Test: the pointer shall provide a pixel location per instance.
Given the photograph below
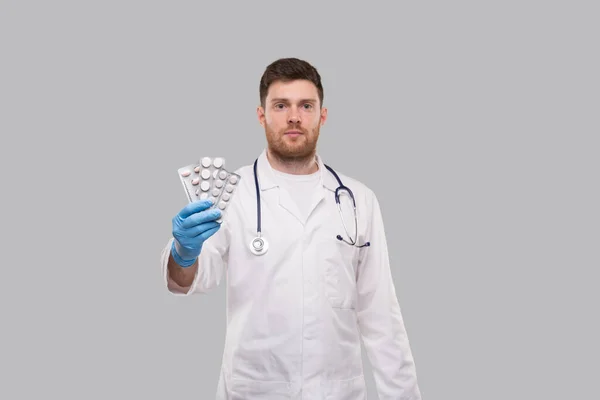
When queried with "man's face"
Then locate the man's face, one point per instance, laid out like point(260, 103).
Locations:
point(292, 118)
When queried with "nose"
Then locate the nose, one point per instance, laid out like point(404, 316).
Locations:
point(294, 117)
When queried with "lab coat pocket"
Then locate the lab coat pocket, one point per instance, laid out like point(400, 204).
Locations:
point(339, 274)
point(353, 388)
point(242, 389)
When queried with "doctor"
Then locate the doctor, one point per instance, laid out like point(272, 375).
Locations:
point(299, 307)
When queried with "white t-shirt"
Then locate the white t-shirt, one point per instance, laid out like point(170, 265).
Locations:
point(301, 188)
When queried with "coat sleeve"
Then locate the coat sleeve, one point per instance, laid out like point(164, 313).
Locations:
point(379, 315)
point(212, 264)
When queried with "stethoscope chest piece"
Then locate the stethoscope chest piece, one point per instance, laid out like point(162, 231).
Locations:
point(259, 246)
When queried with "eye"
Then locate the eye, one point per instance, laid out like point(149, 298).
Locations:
point(308, 106)
point(279, 105)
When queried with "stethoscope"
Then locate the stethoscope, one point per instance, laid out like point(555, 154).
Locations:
point(259, 245)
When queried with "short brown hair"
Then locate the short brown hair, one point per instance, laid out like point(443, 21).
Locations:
point(289, 69)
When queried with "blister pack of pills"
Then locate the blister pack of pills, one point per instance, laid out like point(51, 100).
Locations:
point(198, 178)
point(208, 179)
point(226, 183)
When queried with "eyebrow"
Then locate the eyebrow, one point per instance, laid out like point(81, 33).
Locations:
point(280, 99)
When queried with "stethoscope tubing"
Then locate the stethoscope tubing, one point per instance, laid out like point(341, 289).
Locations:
point(259, 245)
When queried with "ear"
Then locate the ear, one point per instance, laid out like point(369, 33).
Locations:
point(323, 116)
point(260, 113)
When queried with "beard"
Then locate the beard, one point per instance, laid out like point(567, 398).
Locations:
point(290, 150)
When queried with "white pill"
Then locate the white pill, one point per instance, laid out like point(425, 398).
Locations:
point(222, 205)
point(205, 186)
point(205, 174)
point(229, 188)
point(225, 197)
point(219, 183)
point(233, 179)
point(223, 174)
point(216, 192)
point(185, 173)
point(195, 181)
point(204, 196)
point(197, 169)
point(206, 162)
point(218, 162)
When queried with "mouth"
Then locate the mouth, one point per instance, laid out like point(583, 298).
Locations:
point(293, 133)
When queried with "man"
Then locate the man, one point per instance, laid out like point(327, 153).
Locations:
point(297, 313)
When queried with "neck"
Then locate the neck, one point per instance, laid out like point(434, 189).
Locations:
point(295, 166)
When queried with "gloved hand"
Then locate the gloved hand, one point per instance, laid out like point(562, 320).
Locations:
point(191, 227)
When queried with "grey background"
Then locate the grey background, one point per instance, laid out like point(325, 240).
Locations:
point(476, 123)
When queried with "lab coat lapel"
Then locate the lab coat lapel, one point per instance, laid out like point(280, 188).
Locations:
point(267, 182)
point(287, 203)
point(327, 185)
point(317, 197)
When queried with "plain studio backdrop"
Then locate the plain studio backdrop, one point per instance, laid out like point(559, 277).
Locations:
point(475, 124)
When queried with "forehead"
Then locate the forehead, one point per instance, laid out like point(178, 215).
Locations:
point(293, 90)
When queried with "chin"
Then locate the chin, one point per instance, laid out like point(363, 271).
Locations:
point(303, 151)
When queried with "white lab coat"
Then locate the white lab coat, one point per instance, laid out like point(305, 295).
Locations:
point(296, 315)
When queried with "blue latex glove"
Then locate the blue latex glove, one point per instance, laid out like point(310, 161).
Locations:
point(191, 227)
